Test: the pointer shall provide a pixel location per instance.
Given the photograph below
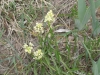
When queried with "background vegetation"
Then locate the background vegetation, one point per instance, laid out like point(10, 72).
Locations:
point(70, 43)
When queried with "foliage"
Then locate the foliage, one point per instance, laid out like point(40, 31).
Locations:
point(34, 42)
point(85, 13)
point(96, 67)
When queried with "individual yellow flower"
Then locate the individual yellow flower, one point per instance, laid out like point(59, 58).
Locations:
point(30, 44)
point(49, 17)
point(28, 48)
point(38, 54)
point(39, 28)
point(25, 45)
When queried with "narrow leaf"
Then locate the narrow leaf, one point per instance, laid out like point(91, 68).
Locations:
point(94, 68)
point(97, 4)
point(98, 64)
point(78, 24)
point(86, 17)
point(81, 9)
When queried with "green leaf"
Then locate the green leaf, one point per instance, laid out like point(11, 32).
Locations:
point(96, 30)
point(83, 15)
point(78, 24)
point(86, 17)
point(98, 64)
point(92, 9)
point(97, 4)
point(95, 68)
point(81, 9)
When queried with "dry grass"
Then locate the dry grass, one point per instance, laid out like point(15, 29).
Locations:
point(13, 34)
point(17, 19)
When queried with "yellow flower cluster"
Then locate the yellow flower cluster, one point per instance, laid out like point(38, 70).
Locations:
point(28, 48)
point(39, 28)
point(49, 17)
point(38, 54)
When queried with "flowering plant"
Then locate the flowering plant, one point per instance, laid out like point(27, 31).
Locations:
point(28, 48)
point(38, 54)
point(39, 28)
point(49, 17)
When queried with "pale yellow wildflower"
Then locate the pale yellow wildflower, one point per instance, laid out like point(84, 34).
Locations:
point(28, 48)
point(38, 54)
point(25, 45)
point(30, 44)
point(39, 28)
point(49, 17)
